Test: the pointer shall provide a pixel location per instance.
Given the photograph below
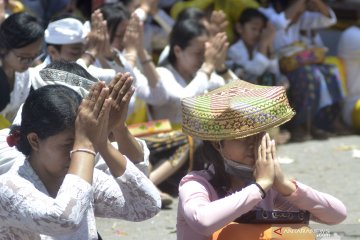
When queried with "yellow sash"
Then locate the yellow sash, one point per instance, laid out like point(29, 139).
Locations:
point(356, 115)
point(4, 123)
point(139, 114)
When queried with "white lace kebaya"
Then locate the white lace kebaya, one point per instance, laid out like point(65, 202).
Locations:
point(28, 212)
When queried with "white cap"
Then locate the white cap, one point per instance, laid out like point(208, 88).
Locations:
point(66, 31)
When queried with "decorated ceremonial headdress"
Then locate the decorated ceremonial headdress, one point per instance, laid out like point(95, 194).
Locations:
point(236, 110)
point(53, 76)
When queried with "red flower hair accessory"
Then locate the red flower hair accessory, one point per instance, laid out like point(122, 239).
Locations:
point(13, 138)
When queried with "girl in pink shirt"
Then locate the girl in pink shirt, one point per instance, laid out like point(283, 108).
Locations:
point(244, 173)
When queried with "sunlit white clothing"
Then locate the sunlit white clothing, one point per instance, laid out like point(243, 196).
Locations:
point(259, 63)
point(349, 51)
point(151, 95)
point(308, 20)
point(9, 155)
point(277, 19)
point(177, 88)
point(28, 212)
point(18, 95)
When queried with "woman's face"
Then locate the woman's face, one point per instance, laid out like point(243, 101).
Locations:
point(190, 59)
point(20, 59)
point(242, 150)
point(118, 41)
point(53, 154)
point(250, 32)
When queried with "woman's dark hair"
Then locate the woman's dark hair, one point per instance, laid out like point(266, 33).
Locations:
point(182, 34)
point(4, 90)
point(125, 2)
point(220, 180)
point(280, 5)
point(249, 14)
point(114, 14)
point(50, 109)
point(84, 6)
point(191, 13)
point(71, 67)
point(47, 111)
point(17, 31)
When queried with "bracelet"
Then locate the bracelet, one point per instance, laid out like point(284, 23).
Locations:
point(222, 72)
point(90, 55)
point(83, 150)
point(263, 193)
point(148, 60)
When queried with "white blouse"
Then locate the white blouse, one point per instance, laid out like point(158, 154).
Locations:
point(177, 88)
point(309, 20)
point(277, 19)
point(150, 95)
point(28, 212)
point(18, 95)
point(239, 55)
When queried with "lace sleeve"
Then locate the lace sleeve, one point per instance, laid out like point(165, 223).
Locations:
point(132, 196)
point(143, 166)
point(25, 207)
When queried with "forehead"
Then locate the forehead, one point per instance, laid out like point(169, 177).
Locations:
point(198, 42)
point(64, 136)
point(31, 49)
point(72, 46)
point(249, 138)
point(258, 22)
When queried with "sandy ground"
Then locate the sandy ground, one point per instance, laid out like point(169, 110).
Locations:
point(327, 166)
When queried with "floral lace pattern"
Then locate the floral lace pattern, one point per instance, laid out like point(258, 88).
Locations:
point(26, 204)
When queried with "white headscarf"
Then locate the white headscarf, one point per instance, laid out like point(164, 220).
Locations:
point(66, 31)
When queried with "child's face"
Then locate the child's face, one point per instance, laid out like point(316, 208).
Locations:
point(250, 32)
point(242, 150)
point(71, 52)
